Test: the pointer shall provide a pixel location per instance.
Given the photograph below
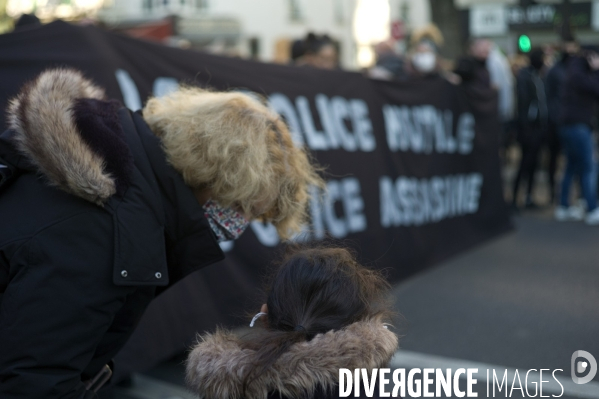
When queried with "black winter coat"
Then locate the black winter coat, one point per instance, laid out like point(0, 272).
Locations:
point(533, 111)
point(473, 72)
point(554, 88)
point(581, 91)
point(94, 223)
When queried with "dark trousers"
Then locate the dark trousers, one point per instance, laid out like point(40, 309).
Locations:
point(530, 143)
point(554, 147)
point(578, 147)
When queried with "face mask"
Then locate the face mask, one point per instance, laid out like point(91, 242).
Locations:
point(424, 62)
point(226, 223)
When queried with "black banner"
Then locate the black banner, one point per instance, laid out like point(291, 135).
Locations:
point(412, 168)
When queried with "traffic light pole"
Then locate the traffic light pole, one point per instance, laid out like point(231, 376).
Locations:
point(566, 13)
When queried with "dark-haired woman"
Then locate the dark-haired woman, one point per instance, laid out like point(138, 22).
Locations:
point(323, 312)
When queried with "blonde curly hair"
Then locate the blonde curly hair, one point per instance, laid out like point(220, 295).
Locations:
point(428, 32)
point(231, 144)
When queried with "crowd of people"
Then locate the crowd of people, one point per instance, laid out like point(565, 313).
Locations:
point(555, 93)
point(546, 100)
point(546, 105)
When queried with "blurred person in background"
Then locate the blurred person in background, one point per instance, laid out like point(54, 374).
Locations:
point(424, 60)
point(318, 51)
point(472, 68)
point(428, 34)
point(579, 96)
point(389, 64)
point(502, 79)
point(424, 57)
point(297, 50)
point(518, 62)
point(533, 119)
point(26, 21)
point(554, 84)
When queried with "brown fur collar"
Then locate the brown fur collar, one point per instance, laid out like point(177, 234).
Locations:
point(48, 131)
point(216, 364)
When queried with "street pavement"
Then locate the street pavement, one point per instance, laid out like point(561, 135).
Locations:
point(526, 300)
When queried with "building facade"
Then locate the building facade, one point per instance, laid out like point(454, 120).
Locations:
point(542, 21)
point(256, 28)
point(263, 29)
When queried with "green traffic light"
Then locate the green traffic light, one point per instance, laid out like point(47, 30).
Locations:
point(524, 43)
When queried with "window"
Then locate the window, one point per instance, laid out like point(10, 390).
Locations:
point(254, 44)
point(405, 12)
point(295, 10)
point(339, 12)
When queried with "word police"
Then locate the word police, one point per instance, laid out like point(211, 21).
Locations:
point(331, 123)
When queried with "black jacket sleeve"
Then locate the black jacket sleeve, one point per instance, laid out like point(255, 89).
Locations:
point(524, 99)
point(582, 79)
point(59, 302)
point(552, 90)
point(465, 69)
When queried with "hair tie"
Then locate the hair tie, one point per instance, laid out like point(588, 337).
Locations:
point(299, 327)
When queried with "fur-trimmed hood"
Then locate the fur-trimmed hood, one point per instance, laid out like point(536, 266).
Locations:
point(215, 366)
point(71, 135)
